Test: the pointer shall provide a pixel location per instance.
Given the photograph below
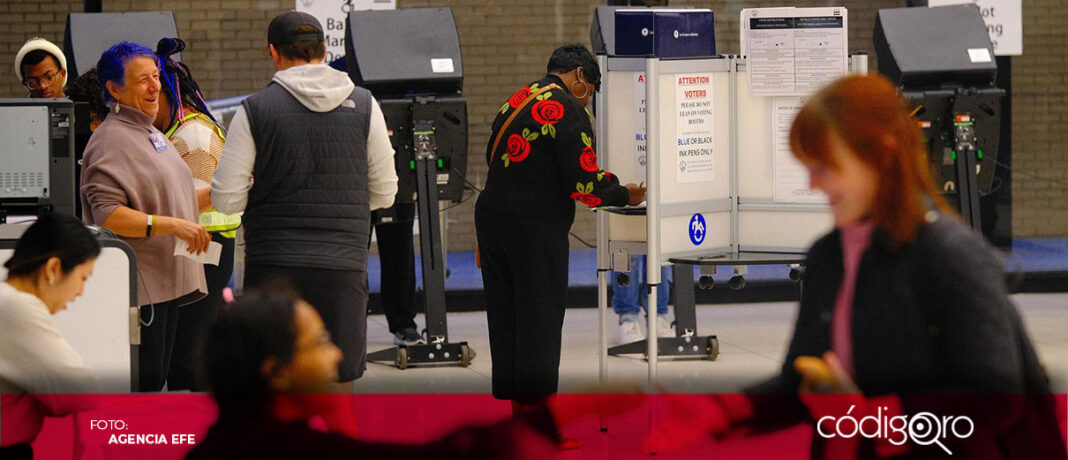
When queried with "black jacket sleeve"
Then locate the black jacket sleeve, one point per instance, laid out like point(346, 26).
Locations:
point(576, 156)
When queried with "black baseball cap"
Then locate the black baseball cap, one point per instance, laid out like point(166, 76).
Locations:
point(280, 32)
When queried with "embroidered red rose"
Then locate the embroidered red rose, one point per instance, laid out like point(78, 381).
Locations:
point(586, 199)
point(519, 97)
point(547, 112)
point(518, 148)
point(588, 159)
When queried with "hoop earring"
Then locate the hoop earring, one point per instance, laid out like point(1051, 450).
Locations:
point(586, 86)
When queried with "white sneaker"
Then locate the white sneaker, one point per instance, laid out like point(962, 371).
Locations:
point(630, 329)
point(664, 327)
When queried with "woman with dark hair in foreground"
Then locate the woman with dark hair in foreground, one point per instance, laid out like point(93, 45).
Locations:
point(271, 367)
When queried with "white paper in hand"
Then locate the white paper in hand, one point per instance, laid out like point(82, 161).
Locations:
point(211, 256)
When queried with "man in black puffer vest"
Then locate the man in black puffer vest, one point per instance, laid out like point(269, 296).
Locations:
point(307, 158)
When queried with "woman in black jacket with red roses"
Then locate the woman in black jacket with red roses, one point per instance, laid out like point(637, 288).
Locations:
point(541, 160)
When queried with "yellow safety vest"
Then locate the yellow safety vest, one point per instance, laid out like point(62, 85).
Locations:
point(213, 221)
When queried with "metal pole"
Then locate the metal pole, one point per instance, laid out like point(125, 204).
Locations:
point(732, 78)
point(603, 263)
point(652, 199)
point(443, 230)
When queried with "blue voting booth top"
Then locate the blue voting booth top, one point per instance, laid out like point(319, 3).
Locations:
point(665, 32)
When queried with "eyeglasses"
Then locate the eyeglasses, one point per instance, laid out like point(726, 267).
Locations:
point(38, 83)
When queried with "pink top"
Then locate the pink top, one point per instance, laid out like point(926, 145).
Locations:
point(855, 240)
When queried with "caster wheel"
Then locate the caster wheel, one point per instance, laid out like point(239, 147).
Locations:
point(623, 279)
point(713, 348)
point(402, 358)
point(737, 282)
point(466, 355)
point(426, 338)
point(796, 274)
point(705, 282)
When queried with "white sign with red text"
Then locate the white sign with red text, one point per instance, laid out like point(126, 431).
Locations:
point(694, 128)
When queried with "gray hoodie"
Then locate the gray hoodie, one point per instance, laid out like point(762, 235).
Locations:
point(321, 89)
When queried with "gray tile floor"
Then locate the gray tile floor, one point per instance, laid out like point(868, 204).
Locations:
point(752, 337)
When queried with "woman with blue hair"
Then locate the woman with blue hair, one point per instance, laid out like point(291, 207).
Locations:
point(135, 184)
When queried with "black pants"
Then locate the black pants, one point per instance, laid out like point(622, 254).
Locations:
point(159, 322)
point(340, 297)
point(16, 452)
point(524, 271)
point(194, 319)
point(397, 257)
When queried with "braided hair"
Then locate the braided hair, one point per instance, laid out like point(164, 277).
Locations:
point(86, 88)
point(177, 81)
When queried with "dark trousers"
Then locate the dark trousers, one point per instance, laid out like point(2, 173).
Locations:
point(340, 297)
point(524, 271)
point(159, 323)
point(17, 452)
point(397, 257)
point(194, 319)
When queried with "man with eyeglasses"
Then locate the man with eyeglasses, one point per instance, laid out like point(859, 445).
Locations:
point(42, 68)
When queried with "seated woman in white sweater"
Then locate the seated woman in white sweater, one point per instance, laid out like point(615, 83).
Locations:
point(38, 368)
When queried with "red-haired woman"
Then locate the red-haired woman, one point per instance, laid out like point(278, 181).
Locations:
point(904, 313)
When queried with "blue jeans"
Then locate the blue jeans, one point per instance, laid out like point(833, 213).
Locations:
point(627, 300)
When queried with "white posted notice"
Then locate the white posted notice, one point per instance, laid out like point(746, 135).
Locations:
point(639, 122)
point(794, 51)
point(694, 128)
point(789, 175)
point(333, 15)
point(1004, 23)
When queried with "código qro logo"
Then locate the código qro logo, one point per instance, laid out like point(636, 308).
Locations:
point(923, 428)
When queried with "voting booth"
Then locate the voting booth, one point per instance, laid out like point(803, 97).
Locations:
point(37, 159)
point(410, 61)
point(708, 135)
point(88, 35)
point(942, 58)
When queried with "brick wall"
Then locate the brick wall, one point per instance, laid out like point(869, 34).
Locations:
point(1039, 117)
point(505, 44)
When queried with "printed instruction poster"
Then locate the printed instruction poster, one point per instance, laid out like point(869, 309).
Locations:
point(794, 51)
point(789, 175)
point(639, 122)
point(694, 128)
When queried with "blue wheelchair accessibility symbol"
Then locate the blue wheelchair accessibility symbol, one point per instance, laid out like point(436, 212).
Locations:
point(697, 229)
